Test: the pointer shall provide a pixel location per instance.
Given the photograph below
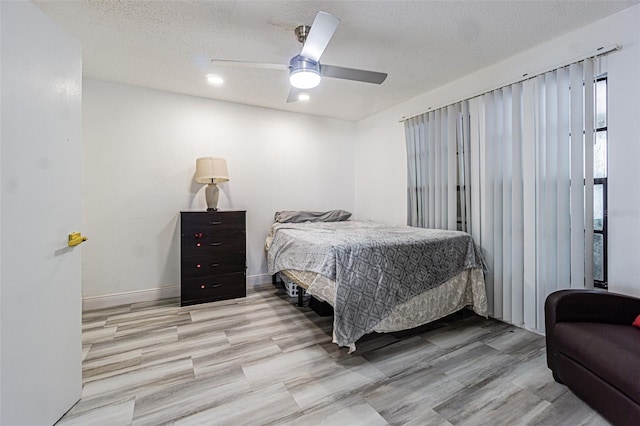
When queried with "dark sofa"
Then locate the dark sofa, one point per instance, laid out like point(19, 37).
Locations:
point(594, 350)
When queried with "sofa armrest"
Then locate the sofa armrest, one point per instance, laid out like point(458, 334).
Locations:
point(585, 306)
point(591, 306)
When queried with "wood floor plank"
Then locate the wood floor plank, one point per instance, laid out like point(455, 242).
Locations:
point(261, 406)
point(116, 414)
point(188, 398)
point(352, 410)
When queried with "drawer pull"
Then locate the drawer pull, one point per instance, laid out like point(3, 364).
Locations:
point(213, 265)
point(215, 244)
point(215, 223)
point(210, 286)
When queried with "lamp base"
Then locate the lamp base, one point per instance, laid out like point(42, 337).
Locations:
point(212, 193)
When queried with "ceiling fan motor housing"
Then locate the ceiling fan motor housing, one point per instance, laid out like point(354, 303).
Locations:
point(304, 72)
point(302, 32)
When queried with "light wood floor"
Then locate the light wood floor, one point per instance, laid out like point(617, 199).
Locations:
point(262, 360)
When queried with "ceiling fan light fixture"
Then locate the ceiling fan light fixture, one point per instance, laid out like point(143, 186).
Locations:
point(305, 73)
point(304, 79)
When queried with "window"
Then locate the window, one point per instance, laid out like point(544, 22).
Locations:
point(600, 187)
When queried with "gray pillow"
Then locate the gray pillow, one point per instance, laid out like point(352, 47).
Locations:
point(303, 216)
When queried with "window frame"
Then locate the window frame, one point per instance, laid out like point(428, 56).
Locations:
point(603, 181)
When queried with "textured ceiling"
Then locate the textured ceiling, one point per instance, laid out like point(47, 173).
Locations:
point(167, 45)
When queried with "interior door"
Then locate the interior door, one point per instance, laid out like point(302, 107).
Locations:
point(40, 204)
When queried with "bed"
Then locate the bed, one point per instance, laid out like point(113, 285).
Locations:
point(377, 277)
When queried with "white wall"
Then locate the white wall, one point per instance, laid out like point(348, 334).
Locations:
point(381, 137)
point(140, 148)
point(381, 170)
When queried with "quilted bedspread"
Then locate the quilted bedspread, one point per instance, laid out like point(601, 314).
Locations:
point(375, 266)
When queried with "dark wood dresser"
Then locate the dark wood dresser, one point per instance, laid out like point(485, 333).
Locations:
point(214, 253)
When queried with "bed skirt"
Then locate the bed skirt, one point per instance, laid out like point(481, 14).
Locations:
point(467, 289)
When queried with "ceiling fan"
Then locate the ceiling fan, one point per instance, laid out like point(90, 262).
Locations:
point(305, 70)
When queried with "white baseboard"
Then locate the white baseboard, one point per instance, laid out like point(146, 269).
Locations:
point(115, 299)
point(148, 295)
point(258, 279)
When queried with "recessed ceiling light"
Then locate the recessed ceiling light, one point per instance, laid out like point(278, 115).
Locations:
point(214, 79)
point(303, 97)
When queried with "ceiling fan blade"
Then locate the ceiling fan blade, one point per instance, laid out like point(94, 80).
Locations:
point(293, 94)
point(322, 29)
point(249, 64)
point(352, 74)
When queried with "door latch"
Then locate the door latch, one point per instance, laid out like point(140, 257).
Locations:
point(76, 238)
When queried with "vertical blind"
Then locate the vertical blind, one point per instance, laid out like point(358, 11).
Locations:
point(515, 167)
point(435, 168)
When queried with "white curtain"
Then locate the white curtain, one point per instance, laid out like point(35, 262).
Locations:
point(525, 166)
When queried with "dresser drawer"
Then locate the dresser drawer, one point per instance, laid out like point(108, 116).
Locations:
point(223, 263)
point(211, 288)
point(213, 223)
point(199, 235)
point(214, 246)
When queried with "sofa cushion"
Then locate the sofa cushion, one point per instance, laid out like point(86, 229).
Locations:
point(610, 351)
point(636, 323)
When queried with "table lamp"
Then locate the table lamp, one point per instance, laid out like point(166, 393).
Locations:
point(211, 171)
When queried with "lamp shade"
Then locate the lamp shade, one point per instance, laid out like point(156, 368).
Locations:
point(211, 170)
